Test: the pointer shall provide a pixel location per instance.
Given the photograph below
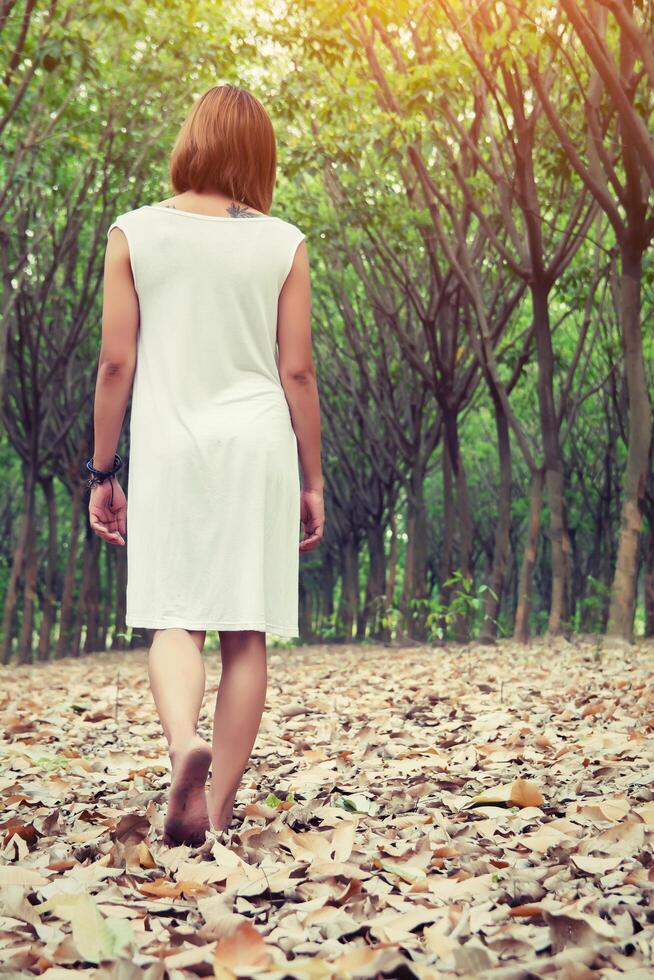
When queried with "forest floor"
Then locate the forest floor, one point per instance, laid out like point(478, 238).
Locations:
point(414, 812)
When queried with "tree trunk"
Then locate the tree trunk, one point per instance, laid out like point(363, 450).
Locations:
point(623, 591)
point(107, 607)
point(65, 640)
point(11, 597)
point(26, 638)
point(501, 546)
point(388, 622)
point(526, 581)
point(376, 598)
point(649, 575)
point(326, 609)
point(577, 581)
point(392, 561)
point(48, 605)
point(461, 621)
point(91, 593)
point(305, 619)
point(510, 597)
point(142, 636)
point(86, 592)
point(119, 642)
point(553, 464)
point(350, 592)
point(447, 551)
point(415, 573)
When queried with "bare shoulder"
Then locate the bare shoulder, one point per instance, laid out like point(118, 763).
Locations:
point(117, 254)
point(117, 241)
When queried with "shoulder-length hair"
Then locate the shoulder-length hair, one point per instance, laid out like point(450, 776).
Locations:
point(226, 144)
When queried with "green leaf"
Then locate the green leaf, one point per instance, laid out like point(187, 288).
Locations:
point(356, 803)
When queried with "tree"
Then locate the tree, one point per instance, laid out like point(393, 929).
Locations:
point(618, 170)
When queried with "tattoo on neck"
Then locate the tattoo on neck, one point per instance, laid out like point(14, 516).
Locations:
point(234, 210)
point(240, 211)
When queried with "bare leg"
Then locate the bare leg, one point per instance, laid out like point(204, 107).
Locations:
point(177, 678)
point(239, 705)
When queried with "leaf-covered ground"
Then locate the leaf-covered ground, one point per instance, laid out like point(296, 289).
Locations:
point(408, 812)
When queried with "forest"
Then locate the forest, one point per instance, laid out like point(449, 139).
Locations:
point(475, 184)
point(449, 774)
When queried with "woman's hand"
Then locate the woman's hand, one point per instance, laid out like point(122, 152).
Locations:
point(108, 521)
point(312, 515)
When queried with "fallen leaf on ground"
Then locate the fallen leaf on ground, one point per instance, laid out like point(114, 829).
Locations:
point(519, 793)
point(426, 825)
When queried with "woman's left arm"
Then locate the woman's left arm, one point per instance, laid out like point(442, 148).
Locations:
point(117, 361)
point(116, 366)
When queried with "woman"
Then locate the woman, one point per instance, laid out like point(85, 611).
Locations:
point(198, 291)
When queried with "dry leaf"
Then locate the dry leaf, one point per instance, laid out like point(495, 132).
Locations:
point(244, 947)
point(520, 793)
point(426, 828)
point(575, 928)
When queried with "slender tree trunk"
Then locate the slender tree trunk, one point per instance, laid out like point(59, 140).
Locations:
point(18, 561)
point(91, 594)
point(305, 614)
point(623, 591)
point(120, 642)
point(26, 638)
point(392, 560)
point(350, 592)
point(553, 464)
point(526, 580)
point(608, 562)
point(447, 552)
point(461, 622)
point(585, 591)
point(65, 640)
point(86, 594)
point(649, 575)
point(388, 618)
point(511, 583)
point(566, 626)
point(501, 546)
point(415, 574)
point(107, 607)
point(11, 595)
point(142, 636)
point(376, 598)
point(577, 581)
point(48, 608)
point(326, 611)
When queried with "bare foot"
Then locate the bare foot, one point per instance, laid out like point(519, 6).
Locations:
point(221, 814)
point(187, 819)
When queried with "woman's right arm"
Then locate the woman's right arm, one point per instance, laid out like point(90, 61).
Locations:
point(297, 374)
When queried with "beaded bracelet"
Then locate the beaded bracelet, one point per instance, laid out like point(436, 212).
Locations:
point(99, 476)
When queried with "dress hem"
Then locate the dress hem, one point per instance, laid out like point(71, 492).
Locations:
point(285, 631)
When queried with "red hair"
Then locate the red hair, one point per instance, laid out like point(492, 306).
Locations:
point(226, 144)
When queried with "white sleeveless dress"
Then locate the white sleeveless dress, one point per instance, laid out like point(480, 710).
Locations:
point(213, 492)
